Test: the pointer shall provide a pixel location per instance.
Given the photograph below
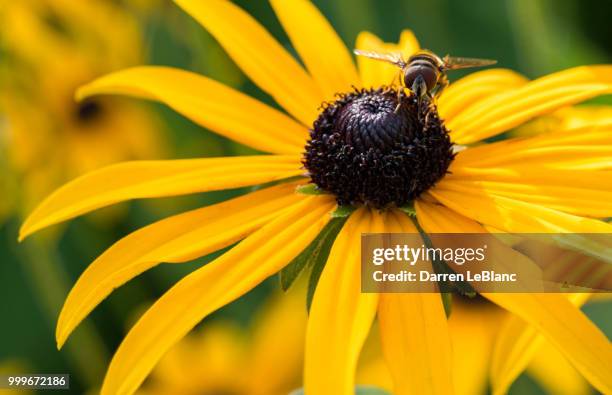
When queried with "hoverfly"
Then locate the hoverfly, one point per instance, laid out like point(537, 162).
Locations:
point(424, 73)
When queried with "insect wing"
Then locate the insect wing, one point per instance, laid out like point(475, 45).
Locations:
point(452, 63)
point(389, 57)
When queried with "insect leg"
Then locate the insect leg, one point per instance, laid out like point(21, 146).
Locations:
point(429, 101)
point(399, 99)
point(400, 88)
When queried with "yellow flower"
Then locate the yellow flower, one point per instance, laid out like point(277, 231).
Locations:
point(476, 343)
point(513, 186)
point(222, 358)
point(49, 49)
point(12, 367)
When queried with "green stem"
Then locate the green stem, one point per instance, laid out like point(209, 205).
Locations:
point(440, 266)
point(85, 350)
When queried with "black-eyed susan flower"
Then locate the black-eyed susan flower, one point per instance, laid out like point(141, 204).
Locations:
point(361, 151)
point(49, 48)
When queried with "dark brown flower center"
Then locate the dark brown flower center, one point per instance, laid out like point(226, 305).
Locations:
point(363, 150)
point(88, 111)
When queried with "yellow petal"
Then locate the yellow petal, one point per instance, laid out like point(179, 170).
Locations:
point(591, 200)
point(555, 375)
point(415, 337)
point(439, 219)
point(547, 94)
point(340, 316)
point(512, 354)
point(243, 267)
point(323, 52)
point(376, 73)
point(208, 103)
point(477, 86)
point(576, 148)
point(555, 318)
point(179, 238)
point(373, 74)
point(259, 55)
point(515, 346)
point(148, 179)
point(473, 326)
point(408, 43)
point(568, 329)
point(527, 174)
point(501, 151)
point(584, 116)
point(515, 216)
point(416, 343)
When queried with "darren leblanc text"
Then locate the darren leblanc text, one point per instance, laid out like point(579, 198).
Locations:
point(426, 276)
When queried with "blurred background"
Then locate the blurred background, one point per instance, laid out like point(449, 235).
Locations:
point(50, 47)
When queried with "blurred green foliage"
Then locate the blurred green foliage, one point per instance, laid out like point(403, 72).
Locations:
point(534, 37)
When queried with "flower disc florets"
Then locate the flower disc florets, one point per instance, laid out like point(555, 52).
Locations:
point(364, 151)
point(88, 111)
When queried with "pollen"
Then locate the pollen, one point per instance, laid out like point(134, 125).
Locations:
point(365, 149)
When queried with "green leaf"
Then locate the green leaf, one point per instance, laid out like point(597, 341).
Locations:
point(359, 390)
point(309, 189)
point(342, 211)
point(309, 255)
point(319, 261)
point(447, 302)
point(369, 390)
point(409, 209)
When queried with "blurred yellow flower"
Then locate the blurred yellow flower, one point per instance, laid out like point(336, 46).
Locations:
point(10, 367)
point(519, 346)
point(222, 358)
point(6, 183)
point(265, 358)
point(49, 48)
point(517, 185)
point(474, 327)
